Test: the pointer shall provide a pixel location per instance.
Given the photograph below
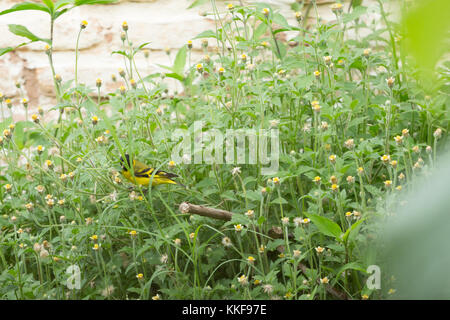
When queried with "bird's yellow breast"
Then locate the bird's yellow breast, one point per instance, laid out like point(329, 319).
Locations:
point(145, 181)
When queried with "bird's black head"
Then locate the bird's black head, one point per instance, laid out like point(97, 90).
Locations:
point(128, 163)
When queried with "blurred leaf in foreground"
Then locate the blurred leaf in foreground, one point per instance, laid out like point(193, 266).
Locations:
point(417, 240)
point(427, 25)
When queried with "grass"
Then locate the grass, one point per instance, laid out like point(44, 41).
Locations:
point(354, 129)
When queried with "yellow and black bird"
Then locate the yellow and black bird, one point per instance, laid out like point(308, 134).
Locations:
point(143, 173)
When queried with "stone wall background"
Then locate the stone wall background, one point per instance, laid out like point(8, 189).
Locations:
point(164, 23)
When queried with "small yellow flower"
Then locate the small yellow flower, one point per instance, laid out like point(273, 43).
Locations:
point(133, 233)
point(61, 202)
point(306, 220)
point(333, 180)
point(298, 16)
point(391, 291)
point(83, 24)
point(230, 6)
point(398, 139)
point(348, 214)
point(319, 249)
point(349, 144)
point(49, 164)
point(276, 180)
point(221, 70)
point(189, 44)
point(405, 132)
point(296, 253)
point(238, 227)
point(367, 52)
point(8, 187)
point(250, 213)
point(98, 82)
point(390, 82)
point(243, 280)
point(398, 188)
point(156, 297)
point(125, 26)
point(324, 280)
point(94, 120)
point(416, 149)
point(266, 11)
point(7, 133)
point(96, 247)
point(251, 259)
point(257, 282)
point(364, 297)
point(35, 118)
point(316, 108)
point(337, 7)
point(317, 74)
point(177, 241)
point(437, 133)
point(261, 249)
point(385, 158)
point(360, 170)
point(94, 237)
point(394, 163)
point(317, 179)
point(334, 187)
point(50, 202)
point(350, 179)
point(388, 183)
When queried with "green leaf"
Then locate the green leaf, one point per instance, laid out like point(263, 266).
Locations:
point(259, 31)
point(9, 49)
point(351, 232)
point(206, 34)
point(180, 61)
point(197, 3)
point(49, 4)
point(83, 2)
point(279, 200)
point(5, 50)
point(175, 76)
point(26, 6)
point(427, 26)
point(326, 226)
point(22, 31)
point(136, 50)
point(60, 12)
point(351, 265)
point(62, 3)
point(355, 14)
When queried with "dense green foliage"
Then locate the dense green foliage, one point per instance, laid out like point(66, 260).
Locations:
point(354, 126)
